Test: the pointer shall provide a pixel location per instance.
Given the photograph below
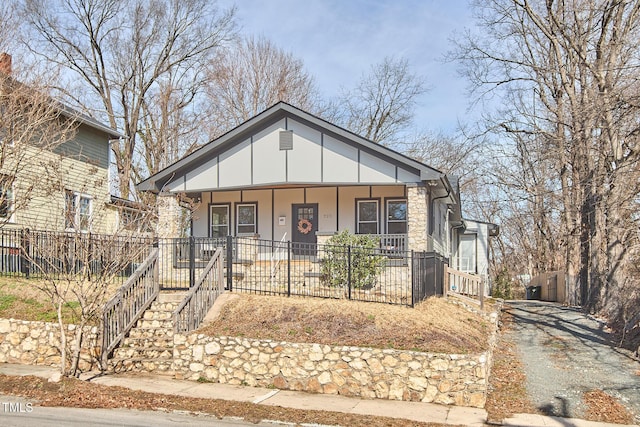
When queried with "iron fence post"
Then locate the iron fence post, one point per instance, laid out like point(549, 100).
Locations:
point(289, 268)
point(413, 278)
point(229, 263)
point(192, 261)
point(349, 270)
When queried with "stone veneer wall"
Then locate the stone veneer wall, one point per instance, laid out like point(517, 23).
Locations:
point(417, 217)
point(351, 371)
point(38, 343)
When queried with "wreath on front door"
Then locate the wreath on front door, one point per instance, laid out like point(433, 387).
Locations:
point(304, 226)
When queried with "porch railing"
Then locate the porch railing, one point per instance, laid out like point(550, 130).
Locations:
point(192, 310)
point(465, 284)
point(126, 307)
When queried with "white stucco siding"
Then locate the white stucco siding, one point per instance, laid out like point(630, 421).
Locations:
point(235, 165)
point(269, 162)
point(327, 213)
point(387, 191)
point(203, 177)
point(340, 161)
point(283, 199)
point(304, 162)
point(347, 206)
point(374, 169)
point(406, 176)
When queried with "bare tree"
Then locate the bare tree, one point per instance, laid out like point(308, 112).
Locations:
point(250, 76)
point(382, 104)
point(567, 73)
point(130, 54)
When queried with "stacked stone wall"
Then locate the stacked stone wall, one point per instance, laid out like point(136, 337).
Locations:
point(38, 343)
point(350, 371)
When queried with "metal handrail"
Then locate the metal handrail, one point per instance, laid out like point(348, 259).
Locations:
point(197, 303)
point(277, 255)
point(128, 305)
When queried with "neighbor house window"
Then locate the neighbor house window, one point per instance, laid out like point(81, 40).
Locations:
point(219, 220)
point(367, 222)
point(77, 211)
point(6, 197)
point(396, 216)
point(246, 218)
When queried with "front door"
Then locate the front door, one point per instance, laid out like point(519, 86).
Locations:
point(304, 227)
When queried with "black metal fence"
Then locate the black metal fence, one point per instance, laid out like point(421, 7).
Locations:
point(28, 253)
point(316, 270)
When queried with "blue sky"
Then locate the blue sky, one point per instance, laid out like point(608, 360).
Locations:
point(339, 40)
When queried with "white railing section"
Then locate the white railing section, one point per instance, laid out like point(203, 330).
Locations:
point(465, 284)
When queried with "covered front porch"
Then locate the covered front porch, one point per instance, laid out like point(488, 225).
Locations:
point(309, 214)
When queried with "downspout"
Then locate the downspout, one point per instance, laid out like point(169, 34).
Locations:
point(431, 205)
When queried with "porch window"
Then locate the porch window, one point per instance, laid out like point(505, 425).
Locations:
point(6, 197)
point(367, 217)
point(77, 211)
point(219, 220)
point(246, 218)
point(396, 216)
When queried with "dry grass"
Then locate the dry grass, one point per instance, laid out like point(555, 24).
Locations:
point(605, 408)
point(434, 325)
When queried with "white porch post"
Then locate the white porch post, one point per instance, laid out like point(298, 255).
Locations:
point(417, 217)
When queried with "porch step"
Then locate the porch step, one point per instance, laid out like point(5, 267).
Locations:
point(149, 345)
point(243, 261)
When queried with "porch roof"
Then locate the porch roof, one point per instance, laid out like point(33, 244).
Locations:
point(254, 159)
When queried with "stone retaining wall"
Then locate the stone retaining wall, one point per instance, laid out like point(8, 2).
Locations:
point(350, 371)
point(38, 343)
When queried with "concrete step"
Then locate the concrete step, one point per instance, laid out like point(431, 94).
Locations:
point(171, 297)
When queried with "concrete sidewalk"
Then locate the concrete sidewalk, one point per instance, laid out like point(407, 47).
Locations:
point(415, 411)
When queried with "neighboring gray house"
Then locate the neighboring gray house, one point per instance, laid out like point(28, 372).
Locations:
point(288, 175)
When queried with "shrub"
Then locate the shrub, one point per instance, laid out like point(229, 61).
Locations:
point(355, 252)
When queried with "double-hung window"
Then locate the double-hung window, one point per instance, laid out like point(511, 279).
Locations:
point(219, 220)
point(367, 217)
point(77, 211)
point(6, 197)
point(246, 218)
point(396, 216)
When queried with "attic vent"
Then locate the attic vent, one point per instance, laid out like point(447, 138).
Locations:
point(286, 140)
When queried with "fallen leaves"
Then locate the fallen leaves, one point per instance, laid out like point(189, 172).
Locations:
point(605, 408)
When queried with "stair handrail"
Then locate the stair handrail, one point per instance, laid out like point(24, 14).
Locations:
point(277, 255)
point(201, 297)
point(128, 305)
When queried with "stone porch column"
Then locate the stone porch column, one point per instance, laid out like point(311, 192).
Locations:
point(417, 216)
point(169, 216)
point(168, 227)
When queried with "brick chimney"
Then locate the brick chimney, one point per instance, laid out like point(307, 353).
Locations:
point(5, 63)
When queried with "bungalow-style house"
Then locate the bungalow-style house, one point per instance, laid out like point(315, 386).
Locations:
point(287, 175)
point(59, 187)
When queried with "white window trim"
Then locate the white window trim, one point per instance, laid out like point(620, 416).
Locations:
point(377, 221)
point(10, 218)
point(406, 219)
point(222, 205)
point(255, 217)
point(76, 220)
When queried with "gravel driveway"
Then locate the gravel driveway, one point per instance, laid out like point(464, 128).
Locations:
point(566, 353)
